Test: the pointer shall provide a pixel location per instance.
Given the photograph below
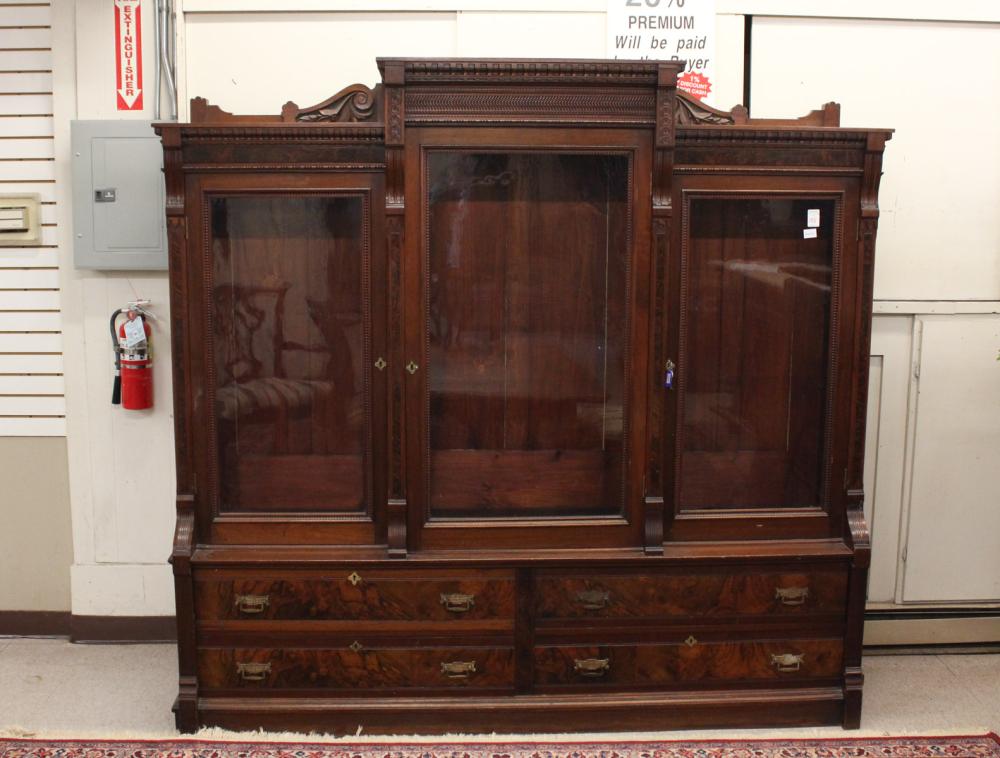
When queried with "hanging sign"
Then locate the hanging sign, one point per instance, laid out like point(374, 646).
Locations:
point(667, 30)
point(128, 54)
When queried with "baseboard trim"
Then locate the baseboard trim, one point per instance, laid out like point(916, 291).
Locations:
point(123, 629)
point(88, 628)
point(926, 629)
point(34, 623)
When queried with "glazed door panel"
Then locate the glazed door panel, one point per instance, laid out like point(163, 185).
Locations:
point(755, 403)
point(288, 350)
point(527, 332)
point(527, 265)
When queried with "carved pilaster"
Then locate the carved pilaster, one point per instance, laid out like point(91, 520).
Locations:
point(663, 160)
point(186, 706)
point(397, 511)
point(863, 323)
point(393, 78)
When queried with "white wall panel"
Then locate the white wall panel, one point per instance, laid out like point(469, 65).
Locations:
point(24, 37)
point(26, 170)
point(304, 57)
point(23, 257)
point(25, 126)
point(31, 385)
point(30, 81)
point(32, 427)
point(939, 234)
point(31, 364)
point(43, 342)
point(885, 449)
point(953, 541)
point(122, 590)
point(36, 279)
point(25, 14)
point(131, 452)
point(523, 34)
point(32, 406)
point(37, 147)
point(30, 323)
point(29, 300)
point(25, 60)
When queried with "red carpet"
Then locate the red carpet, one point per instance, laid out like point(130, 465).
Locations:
point(980, 746)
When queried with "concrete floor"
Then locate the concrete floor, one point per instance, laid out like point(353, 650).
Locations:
point(50, 688)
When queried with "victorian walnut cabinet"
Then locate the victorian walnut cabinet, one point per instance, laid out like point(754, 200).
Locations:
point(519, 395)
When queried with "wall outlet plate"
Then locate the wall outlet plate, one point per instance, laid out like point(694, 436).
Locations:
point(19, 220)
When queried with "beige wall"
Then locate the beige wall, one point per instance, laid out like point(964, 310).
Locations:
point(36, 546)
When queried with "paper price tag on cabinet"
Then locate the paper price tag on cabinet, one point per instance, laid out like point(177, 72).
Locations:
point(812, 217)
point(134, 332)
point(808, 234)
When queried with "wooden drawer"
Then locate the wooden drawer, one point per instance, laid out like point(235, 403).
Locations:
point(361, 595)
point(619, 595)
point(689, 662)
point(356, 668)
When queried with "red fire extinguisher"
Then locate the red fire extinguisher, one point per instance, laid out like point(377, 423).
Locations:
point(133, 388)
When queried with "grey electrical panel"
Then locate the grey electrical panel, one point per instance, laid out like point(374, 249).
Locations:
point(118, 196)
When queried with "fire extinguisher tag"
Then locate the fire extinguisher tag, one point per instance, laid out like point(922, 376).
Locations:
point(135, 333)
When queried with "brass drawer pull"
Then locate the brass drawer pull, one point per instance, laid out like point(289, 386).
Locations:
point(253, 671)
point(787, 662)
point(457, 602)
point(594, 600)
point(252, 603)
point(592, 667)
point(791, 595)
point(458, 669)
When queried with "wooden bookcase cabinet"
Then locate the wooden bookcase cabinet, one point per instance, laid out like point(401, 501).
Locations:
point(519, 395)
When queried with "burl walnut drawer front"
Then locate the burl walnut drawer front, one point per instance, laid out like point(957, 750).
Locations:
point(359, 595)
point(356, 668)
point(688, 663)
point(652, 595)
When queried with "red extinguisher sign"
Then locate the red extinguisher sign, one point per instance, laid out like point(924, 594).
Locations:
point(128, 54)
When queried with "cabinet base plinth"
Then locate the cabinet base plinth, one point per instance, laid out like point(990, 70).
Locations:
point(528, 714)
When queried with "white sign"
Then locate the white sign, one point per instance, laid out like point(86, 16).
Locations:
point(667, 30)
point(135, 332)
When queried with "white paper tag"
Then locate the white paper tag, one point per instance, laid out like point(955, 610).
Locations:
point(808, 234)
point(134, 332)
point(812, 217)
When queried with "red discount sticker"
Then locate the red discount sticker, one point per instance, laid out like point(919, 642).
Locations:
point(694, 84)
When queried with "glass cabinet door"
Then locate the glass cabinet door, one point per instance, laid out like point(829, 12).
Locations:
point(288, 325)
point(526, 275)
point(753, 409)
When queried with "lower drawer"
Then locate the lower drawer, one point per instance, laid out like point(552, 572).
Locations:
point(356, 668)
point(688, 662)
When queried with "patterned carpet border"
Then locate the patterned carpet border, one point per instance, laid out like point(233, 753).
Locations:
point(964, 746)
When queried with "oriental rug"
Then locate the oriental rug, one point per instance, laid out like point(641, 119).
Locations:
point(974, 746)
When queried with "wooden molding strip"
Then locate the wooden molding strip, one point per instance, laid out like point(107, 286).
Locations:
point(88, 628)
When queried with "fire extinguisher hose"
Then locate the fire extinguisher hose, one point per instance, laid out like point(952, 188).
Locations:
point(116, 392)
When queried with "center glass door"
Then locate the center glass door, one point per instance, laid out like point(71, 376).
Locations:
point(526, 268)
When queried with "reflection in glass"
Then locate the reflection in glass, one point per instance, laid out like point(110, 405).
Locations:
point(287, 323)
point(527, 332)
point(755, 373)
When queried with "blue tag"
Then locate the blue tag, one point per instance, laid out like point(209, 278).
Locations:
point(668, 379)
